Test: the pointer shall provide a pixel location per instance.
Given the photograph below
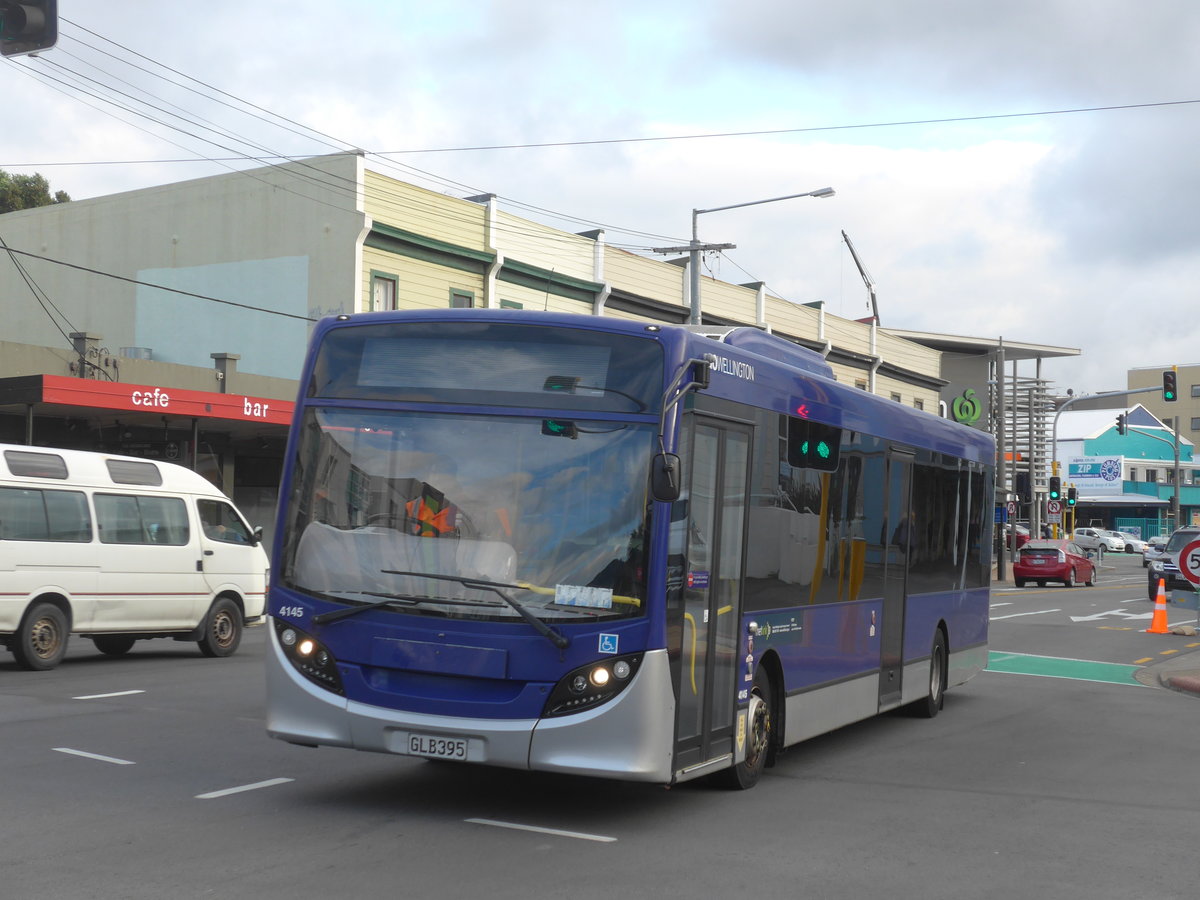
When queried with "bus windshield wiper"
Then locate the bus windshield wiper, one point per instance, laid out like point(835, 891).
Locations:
point(499, 588)
point(388, 600)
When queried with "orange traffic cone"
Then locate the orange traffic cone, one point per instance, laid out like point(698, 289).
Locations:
point(1158, 625)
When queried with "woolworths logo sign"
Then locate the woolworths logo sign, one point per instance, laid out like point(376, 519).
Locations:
point(966, 408)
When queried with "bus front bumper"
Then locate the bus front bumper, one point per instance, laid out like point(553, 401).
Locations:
point(629, 738)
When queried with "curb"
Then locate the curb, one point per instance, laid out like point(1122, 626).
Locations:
point(1188, 684)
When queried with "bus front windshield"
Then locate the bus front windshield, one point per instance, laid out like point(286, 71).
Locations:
point(554, 511)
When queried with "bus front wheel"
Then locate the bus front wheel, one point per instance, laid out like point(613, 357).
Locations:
point(760, 725)
point(41, 642)
point(222, 629)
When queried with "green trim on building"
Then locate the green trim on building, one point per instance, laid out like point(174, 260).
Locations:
point(427, 249)
point(539, 279)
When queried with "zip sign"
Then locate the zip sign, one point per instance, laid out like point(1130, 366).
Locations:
point(1189, 562)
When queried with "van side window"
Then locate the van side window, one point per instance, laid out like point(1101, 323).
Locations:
point(35, 465)
point(35, 515)
point(222, 523)
point(128, 519)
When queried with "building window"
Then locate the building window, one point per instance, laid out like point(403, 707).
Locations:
point(383, 292)
point(461, 299)
point(895, 396)
point(1152, 476)
point(918, 404)
point(861, 385)
point(511, 304)
point(1196, 390)
point(1195, 423)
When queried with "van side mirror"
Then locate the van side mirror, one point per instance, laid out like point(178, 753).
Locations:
point(664, 477)
point(256, 536)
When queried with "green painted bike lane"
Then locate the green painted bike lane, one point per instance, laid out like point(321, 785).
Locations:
point(1056, 667)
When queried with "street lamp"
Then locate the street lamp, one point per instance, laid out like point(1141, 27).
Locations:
point(694, 247)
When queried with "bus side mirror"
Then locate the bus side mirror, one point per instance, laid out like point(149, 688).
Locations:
point(664, 477)
point(700, 374)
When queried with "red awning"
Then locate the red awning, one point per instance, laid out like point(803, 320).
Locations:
point(86, 393)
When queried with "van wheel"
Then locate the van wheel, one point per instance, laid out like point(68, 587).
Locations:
point(760, 732)
point(222, 629)
point(113, 644)
point(41, 642)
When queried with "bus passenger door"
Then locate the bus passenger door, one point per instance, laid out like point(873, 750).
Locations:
point(902, 538)
point(704, 620)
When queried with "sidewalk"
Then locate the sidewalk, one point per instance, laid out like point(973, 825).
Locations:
point(1181, 675)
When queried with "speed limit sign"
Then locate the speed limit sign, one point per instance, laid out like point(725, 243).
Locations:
point(1189, 562)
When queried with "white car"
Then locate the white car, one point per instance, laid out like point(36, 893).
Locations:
point(1099, 539)
point(1154, 549)
point(1132, 544)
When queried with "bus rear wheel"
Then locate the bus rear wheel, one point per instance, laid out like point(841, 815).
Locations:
point(222, 629)
point(41, 642)
point(760, 725)
point(931, 704)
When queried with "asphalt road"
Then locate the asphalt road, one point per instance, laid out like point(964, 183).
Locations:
point(1026, 785)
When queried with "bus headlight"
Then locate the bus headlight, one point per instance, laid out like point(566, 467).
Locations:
point(591, 685)
point(309, 656)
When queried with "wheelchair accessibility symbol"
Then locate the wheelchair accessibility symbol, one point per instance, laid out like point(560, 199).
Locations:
point(608, 643)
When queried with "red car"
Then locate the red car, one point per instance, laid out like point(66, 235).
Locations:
point(1053, 560)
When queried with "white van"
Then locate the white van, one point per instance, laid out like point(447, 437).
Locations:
point(120, 549)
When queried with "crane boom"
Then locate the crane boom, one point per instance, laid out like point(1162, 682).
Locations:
point(866, 277)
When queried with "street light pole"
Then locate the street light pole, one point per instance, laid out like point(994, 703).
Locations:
point(694, 247)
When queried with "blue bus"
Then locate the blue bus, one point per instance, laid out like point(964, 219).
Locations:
point(612, 548)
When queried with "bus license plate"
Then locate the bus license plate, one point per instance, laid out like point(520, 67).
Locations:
point(437, 747)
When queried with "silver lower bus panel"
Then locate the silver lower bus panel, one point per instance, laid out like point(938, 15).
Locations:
point(629, 738)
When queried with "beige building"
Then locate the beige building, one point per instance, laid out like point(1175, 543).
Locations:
point(204, 292)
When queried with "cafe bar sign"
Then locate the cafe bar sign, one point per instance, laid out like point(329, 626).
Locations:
point(168, 401)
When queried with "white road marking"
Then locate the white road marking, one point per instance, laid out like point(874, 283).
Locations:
point(583, 836)
point(1118, 613)
point(1040, 612)
point(102, 696)
point(994, 605)
point(271, 782)
point(86, 755)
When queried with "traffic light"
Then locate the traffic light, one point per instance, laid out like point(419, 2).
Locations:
point(1072, 496)
point(28, 27)
point(1122, 423)
point(1170, 394)
point(1055, 487)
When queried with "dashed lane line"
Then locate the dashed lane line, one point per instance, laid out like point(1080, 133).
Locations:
point(578, 835)
point(270, 782)
point(96, 756)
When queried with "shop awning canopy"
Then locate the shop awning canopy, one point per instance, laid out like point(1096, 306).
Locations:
point(1124, 499)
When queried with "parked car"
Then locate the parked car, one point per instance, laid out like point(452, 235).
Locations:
point(1153, 549)
point(1042, 560)
point(1166, 566)
point(1015, 536)
point(1099, 539)
point(1132, 544)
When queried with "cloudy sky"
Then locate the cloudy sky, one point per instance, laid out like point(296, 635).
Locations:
point(1023, 170)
